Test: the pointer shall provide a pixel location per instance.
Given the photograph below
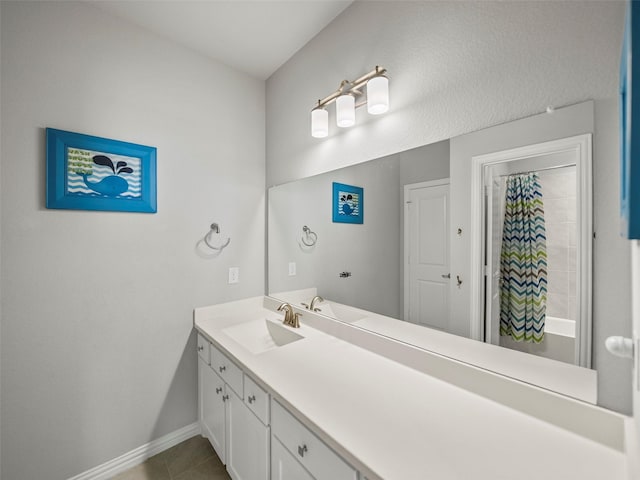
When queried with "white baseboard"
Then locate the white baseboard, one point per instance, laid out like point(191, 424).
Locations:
point(139, 455)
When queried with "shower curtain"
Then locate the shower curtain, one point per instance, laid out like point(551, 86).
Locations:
point(523, 261)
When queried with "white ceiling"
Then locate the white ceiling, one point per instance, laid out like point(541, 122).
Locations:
point(254, 36)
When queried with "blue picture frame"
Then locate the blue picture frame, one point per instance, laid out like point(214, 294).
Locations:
point(94, 173)
point(348, 203)
point(630, 131)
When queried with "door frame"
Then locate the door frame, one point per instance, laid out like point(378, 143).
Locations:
point(405, 240)
point(581, 145)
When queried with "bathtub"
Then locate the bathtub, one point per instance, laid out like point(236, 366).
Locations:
point(559, 341)
point(560, 326)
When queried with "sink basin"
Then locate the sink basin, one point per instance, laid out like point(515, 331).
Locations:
point(345, 313)
point(262, 335)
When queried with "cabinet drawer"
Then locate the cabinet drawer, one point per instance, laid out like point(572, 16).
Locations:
point(322, 462)
point(228, 370)
point(203, 349)
point(256, 399)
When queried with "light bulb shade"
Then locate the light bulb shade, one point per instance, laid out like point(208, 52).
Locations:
point(319, 123)
point(345, 110)
point(378, 95)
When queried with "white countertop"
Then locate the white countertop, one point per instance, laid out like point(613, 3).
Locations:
point(564, 378)
point(403, 424)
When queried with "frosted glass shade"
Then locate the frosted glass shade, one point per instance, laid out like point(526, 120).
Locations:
point(345, 110)
point(319, 123)
point(378, 95)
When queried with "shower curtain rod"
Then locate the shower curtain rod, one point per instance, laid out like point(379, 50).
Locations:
point(538, 170)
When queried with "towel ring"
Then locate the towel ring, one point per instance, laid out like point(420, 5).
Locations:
point(215, 228)
point(310, 236)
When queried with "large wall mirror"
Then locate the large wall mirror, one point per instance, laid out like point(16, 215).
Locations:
point(398, 267)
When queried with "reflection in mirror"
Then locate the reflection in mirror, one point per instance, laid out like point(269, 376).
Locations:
point(368, 254)
point(536, 248)
point(399, 263)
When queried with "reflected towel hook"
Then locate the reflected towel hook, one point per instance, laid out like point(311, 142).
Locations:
point(215, 228)
point(310, 236)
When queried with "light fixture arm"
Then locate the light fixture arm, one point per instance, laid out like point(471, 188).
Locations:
point(353, 88)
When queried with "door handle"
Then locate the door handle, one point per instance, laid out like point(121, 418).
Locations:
point(448, 275)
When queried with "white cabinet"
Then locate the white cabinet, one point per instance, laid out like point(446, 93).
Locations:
point(309, 451)
point(256, 438)
point(212, 408)
point(284, 466)
point(247, 442)
point(239, 437)
point(257, 399)
point(229, 371)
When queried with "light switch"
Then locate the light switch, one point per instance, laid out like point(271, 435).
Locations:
point(292, 269)
point(234, 275)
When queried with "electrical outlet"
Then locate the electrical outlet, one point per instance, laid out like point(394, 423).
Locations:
point(292, 269)
point(234, 275)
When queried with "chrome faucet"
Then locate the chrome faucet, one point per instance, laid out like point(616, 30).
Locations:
point(291, 318)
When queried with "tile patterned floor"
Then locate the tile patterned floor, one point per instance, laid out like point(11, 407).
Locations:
point(193, 459)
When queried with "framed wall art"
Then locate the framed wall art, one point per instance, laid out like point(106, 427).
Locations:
point(94, 173)
point(348, 203)
point(630, 125)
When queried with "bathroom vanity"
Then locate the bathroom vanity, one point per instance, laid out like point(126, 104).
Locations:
point(332, 401)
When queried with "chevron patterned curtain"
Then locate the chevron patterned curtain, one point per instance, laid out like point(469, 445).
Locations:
point(523, 261)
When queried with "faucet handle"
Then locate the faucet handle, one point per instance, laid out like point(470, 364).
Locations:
point(296, 320)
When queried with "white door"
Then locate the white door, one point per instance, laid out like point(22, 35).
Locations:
point(212, 408)
point(427, 276)
point(284, 466)
point(247, 442)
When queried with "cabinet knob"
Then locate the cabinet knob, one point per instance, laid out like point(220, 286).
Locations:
point(222, 368)
point(302, 450)
point(251, 399)
point(218, 390)
point(225, 398)
point(200, 348)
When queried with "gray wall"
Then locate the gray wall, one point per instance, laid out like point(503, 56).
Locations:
point(98, 354)
point(0, 244)
point(635, 272)
point(454, 68)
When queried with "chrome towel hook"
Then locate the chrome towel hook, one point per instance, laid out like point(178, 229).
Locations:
point(215, 228)
point(310, 237)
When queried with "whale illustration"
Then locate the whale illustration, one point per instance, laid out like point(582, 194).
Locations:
point(111, 186)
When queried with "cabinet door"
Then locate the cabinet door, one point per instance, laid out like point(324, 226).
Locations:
point(311, 452)
point(212, 408)
point(284, 466)
point(247, 442)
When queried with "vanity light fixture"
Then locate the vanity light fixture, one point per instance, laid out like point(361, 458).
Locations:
point(345, 99)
